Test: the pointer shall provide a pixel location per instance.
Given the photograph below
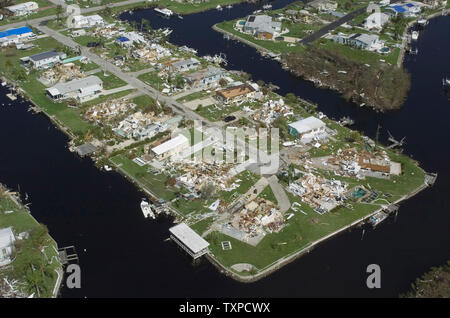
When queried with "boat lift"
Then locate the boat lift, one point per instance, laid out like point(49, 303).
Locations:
point(394, 142)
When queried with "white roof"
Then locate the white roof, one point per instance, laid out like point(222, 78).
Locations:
point(75, 85)
point(188, 237)
point(170, 144)
point(23, 6)
point(6, 237)
point(307, 124)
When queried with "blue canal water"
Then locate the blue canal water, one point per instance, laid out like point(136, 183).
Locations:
point(124, 255)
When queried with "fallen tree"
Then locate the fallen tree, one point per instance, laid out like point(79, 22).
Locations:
point(383, 87)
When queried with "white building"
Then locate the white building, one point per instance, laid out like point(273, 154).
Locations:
point(23, 8)
point(81, 21)
point(44, 60)
point(306, 126)
point(188, 240)
point(376, 21)
point(7, 240)
point(82, 89)
point(171, 147)
point(18, 35)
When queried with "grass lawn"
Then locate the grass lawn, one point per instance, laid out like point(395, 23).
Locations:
point(299, 232)
point(28, 252)
point(152, 79)
point(110, 81)
point(248, 179)
point(267, 194)
point(201, 226)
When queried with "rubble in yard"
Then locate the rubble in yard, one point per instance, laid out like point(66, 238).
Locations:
point(61, 73)
point(197, 174)
point(105, 112)
point(141, 126)
point(354, 164)
point(271, 110)
point(322, 194)
point(257, 217)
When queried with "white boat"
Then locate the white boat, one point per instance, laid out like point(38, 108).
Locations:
point(229, 6)
point(107, 168)
point(3, 83)
point(219, 7)
point(414, 35)
point(422, 22)
point(164, 11)
point(267, 7)
point(167, 31)
point(146, 209)
point(180, 17)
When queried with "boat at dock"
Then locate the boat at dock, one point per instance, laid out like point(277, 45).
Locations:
point(414, 35)
point(146, 209)
point(164, 11)
point(446, 82)
point(267, 7)
point(219, 8)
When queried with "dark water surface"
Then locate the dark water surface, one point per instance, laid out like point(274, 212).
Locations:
point(123, 255)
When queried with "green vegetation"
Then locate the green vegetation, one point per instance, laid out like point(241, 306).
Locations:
point(433, 284)
point(104, 98)
point(36, 257)
point(109, 80)
point(384, 87)
point(299, 233)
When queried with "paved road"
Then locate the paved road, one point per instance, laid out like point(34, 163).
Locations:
point(283, 200)
point(333, 25)
point(131, 80)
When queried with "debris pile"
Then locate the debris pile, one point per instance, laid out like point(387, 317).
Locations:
point(257, 216)
point(140, 126)
point(271, 110)
point(322, 194)
point(62, 73)
point(105, 112)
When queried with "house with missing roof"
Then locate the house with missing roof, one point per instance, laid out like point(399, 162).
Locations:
point(185, 65)
point(323, 5)
point(234, 93)
point(262, 26)
point(360, 41)
point(204, 78)
point(16, 36)
point(43, 60)
point(22, 9)
point(82, 89)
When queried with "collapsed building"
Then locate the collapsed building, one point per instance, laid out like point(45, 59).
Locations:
point(352, 163)
point(140, 126)
point(105, 112)
point(322, 194)
point(61, 73)
point(271, 110)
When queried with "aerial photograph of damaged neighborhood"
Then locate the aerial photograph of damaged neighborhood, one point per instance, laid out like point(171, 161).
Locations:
point(224, 148)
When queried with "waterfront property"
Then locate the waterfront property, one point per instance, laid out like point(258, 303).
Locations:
point(261, 26)
point(306, 126)
point(234, 93)
point(360, 41)
point(209, 76)
point(188, 240)
point(82, 90)
point(80, 21)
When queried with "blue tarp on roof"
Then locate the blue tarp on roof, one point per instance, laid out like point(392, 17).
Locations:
point(399, 9)
point(123, 39)
point(17, 31)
